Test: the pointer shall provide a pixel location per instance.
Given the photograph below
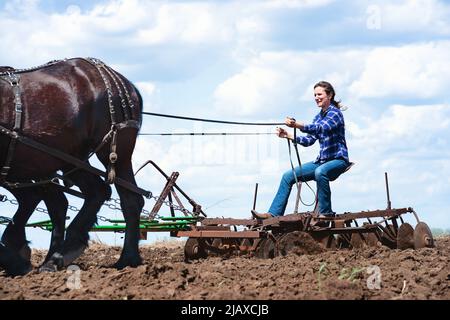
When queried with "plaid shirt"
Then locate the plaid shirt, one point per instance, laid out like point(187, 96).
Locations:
point(329, 128)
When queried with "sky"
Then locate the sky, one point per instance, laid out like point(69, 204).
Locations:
point(257, 61)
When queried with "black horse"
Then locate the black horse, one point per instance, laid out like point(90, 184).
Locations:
point(75, 106)
point(14, 237)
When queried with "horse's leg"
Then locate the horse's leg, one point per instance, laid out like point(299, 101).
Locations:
point(57, 204)
point(14, 236)
point(96, 191)
point(131, 203)
point(13, 263)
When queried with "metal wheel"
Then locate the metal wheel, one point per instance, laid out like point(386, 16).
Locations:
point(216, 243)
point(266, 249)
point(357, 241)
point(259, 249)
point(422, 236)
point(405, 237)
point(194, 249)
point(365, 240)
point(371, 239)
point(328, 241)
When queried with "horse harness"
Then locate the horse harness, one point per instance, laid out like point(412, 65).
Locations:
point(12, 77)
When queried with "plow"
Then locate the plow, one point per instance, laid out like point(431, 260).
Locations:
point(268, 238)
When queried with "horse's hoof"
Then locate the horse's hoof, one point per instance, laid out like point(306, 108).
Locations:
point(123, 263)
point(25, 252)
point(49, 266)
point(55, 263)
point(72, 255)
point(19, 271)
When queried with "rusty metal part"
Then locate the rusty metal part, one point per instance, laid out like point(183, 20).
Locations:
point(357, 241)
point(372, 239)
point(422, 236)
point(361, 240)
point(219, 234)
point(229, 221)
point(387, 191)
point(389, 236)
point(405, 236)
point(298, 242)
point(370, 214)
point(343, 241)
point(328, 241)
point(266, 249)
point(246, 245)
point(275, 236)
point(194, 249)
point(197, 209)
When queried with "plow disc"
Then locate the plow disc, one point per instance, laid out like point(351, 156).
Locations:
point(327, 241)
point(266, 249)
point(194, 249)
point(298, 242)
point(360, 241)
point(405, 237)
point(422, 236)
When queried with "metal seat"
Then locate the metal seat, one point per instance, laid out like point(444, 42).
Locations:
point(349, 166)
point(346, 169)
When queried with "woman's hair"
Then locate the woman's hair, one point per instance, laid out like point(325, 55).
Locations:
point(330, 91)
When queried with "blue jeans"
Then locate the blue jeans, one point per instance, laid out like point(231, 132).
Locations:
point(321, 173)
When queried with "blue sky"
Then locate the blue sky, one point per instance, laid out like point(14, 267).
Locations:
point(258, 61)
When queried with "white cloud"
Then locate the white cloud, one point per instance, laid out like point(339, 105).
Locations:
point(403, 130)
point(242, 93)
point(418, 15)
point(148, 91)
point(113, 25)
point(186, 23)
point(293, 4)
point(280, 79)
point(117, 25)
point(413, 71)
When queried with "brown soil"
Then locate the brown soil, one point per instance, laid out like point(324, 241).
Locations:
point(343, 274)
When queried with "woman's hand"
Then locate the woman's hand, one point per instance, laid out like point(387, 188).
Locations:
point(283, 133)
point(290, 122)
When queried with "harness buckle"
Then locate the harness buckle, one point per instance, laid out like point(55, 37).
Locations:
point(113, 157)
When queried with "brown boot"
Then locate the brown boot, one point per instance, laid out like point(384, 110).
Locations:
point(257, 215)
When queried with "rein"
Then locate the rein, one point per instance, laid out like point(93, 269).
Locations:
point(298, 182)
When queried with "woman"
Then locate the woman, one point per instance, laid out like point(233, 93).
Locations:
point(329, 128)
